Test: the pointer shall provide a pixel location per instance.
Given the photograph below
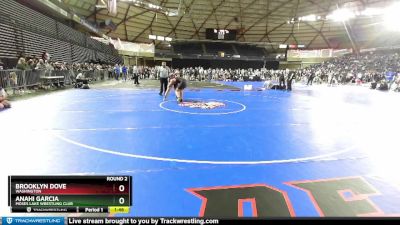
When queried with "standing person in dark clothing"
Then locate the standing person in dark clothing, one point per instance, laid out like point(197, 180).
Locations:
point(136, 77)
point(163, 72)
point(116, 71)
point(282, 79)
point(310, 78)
point(179, 85)
point(135, 72)
point(196, 73)
point(124, 72)
point(290, 79)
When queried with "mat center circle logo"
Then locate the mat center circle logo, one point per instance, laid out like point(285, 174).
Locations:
point(202, 104)
point(203, 107)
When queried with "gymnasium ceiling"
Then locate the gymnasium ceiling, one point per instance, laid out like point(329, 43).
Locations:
point(261, 21)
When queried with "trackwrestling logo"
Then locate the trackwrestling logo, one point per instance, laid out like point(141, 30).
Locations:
point(202, 105)
point(33, 220)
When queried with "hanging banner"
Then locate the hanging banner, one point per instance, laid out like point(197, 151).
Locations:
point(112, 7)
point(319, 53)
point(129, 48)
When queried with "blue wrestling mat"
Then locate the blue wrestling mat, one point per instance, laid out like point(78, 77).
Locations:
point(316, 151)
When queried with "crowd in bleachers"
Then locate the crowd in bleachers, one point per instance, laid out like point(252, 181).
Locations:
point(381, 69)
point(214, 48)
point(40, 71)
point(197, 73)
point(220, 74)
point(44, 62)
point(378, 69)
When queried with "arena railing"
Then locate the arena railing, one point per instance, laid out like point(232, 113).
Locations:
point(20, 79)
point(68, 75)
point(92, 75)
point(23, 79)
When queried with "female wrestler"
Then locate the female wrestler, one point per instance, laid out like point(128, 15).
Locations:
point(179, 85)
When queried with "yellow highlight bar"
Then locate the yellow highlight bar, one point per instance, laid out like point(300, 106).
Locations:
point(118, 209)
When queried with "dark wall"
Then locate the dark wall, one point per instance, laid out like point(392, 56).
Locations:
point(8, 63)
point(152, 63)
point(220, 63)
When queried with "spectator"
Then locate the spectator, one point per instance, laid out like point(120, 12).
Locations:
point(282, 79)
point(3, 99)
point(30, 65)
point(310, 78)
point(40, 65)
point(45, 56)
point(124, 71)
point(81, 81)
point(382, 86)
point(290, 78)
point(21, 65)
point(116, 71)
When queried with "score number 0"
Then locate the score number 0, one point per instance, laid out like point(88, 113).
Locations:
point(121, 200)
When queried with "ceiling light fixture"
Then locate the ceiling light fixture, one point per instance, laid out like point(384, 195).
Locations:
point(341, 15)
point(391, 17)
point(152, 7)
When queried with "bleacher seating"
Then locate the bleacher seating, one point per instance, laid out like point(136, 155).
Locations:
point(28, 17)
point(93, 44)
point(79, 54)
point(102, 57)
point(67, 33)
point(27, 31)
point(7, 39)
point(214, 48)
point(62, 51)
point(188, 48)
point(35, 44)
point(249, 50)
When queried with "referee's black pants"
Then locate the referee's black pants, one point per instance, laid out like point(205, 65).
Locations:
point(163, 85)
point(136, 78)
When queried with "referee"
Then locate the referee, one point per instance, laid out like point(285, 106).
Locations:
point(163, 73)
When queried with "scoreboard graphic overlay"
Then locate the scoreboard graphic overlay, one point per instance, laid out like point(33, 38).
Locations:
point(59, 194)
